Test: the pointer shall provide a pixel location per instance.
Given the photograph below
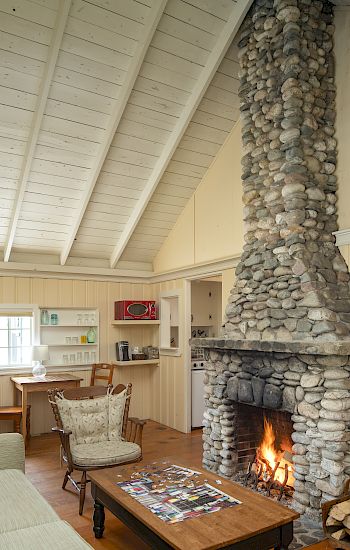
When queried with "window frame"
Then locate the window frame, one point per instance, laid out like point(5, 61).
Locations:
point(35, 314)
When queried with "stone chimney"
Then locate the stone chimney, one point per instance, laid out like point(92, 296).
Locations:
point(291, 282)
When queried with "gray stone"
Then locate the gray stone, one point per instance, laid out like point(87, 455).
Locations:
point(308, 410)
point(288, 400)
point(272, 398)
point(309, 380)
point(258, 385)
point(245, 393)
point(232, 388)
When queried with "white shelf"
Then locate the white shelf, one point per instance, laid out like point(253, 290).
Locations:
point(136, 322)
point(71, 345)
point(75, 326)
point(140, 362)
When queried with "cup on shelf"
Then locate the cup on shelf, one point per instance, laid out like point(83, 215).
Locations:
point(68, 339)
point(83, 339)
point(86, 319)
point(86, 357)
point(79, 357)
point(75, 340)
point(72, 358)
point(79, 319)
point(92, 319)
point(65, 359)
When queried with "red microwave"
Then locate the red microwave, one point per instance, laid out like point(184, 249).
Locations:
point(134, 309)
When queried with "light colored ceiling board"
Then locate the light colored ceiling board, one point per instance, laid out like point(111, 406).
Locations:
point(168, 200)
point(40, 234)
point(7, 183)
point(87, 249)
point(30, 12)
point(229, 67)
point(216, 55)
point(11, 145)
point(71, 129)
point(232, 52)
point(52, 4)
point(177, 64)
point(164, 91)
point(11, 173)
point(81, 98)
point(22, 46)
point(141, 99)
point(143, 247)
point(196, 130)
point(42, 218)
point(220, 8)
point(51, 190)
point(213, 122)
point(121, 181)
point(13, 98)
point(21, 64)
point(100, 54)
point(32, 207)
point(114, 190)
point(84, 66)
point(180, 179)
point(100, 36)
point(42, 226)
point(188, 32)
point(145, 37)
point(225, 82)
point(63, 156)
point(40, 199)
point(106, 19)
point(123, 168)
point(186, 169)
point(218, 109)
point(57, 168)
point(87, 83)
point(140, 130)
point(11, 160)
point(174, 191)
point(95, 216)
point(103, 208)
point(131, 157)
point(143, 238)
point(223, 96)
point(197, 159)
point(164, 208)
point(155, 230)
point(167, 76)
point(135, 144)
point(7, 193)
point(25, 29)
point(60, 23)
point(22, 82)
point(132, 9)
point(113, 199)
point(197, 17)
point(76, 114)
point(149, 117)
point(98, 232)
point(199, 146)
point(55, 180)
point(103, 240)
point(64, 142)
point(176, 46)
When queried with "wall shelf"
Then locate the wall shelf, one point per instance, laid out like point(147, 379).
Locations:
point(136, 322)
point(139, 362)
point(73, 326)
point(72, 345)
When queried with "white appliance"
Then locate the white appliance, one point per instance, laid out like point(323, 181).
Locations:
point(197, 380)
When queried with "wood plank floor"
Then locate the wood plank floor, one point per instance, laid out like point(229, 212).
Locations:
point(43, 469)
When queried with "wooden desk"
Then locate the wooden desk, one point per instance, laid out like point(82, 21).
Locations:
point(30, 384)
point(259, 522)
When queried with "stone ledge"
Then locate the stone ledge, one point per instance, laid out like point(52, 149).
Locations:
point(297, 347)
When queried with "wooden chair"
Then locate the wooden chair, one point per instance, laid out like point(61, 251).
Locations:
point(15, 413)
point(103, 376)
point(131, 432)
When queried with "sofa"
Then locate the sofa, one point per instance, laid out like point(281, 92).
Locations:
point(27, 521)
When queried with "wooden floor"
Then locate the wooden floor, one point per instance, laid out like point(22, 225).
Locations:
point(43, 469)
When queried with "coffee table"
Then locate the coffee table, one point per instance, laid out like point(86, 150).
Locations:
point(258, 523)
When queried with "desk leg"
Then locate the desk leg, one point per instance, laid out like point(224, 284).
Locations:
point(24, 413)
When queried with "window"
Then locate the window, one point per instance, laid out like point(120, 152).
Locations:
point(169, 323)
point(16, 339)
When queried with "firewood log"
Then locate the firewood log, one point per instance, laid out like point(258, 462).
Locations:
point(346, 522)
point(330, 522)
point(339, 535)
point(341, 510)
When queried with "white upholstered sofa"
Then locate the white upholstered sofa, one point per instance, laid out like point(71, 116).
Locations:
point(27, 521)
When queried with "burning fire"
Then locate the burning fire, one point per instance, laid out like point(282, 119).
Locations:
point(273, 462)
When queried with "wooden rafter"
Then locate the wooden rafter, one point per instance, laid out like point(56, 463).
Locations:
point(226, 36)
point(44, 89)
point(127, 86)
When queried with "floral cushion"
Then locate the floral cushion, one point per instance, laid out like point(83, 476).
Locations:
point(105, 453)
point(116, 413)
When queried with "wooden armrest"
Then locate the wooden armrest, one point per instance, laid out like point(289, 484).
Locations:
point(60, 430)
point(134, 430)
point(64, 437)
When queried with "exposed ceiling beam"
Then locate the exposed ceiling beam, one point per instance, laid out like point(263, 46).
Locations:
point(226, 36)
point(150, 27)
point(43, 93)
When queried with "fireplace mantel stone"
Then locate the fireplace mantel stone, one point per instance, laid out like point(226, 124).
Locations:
point(293, 347)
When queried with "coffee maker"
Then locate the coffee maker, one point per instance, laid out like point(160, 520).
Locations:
point(123, 350)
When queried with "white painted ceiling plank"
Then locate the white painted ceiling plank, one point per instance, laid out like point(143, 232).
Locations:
point(126, 88)
point(226, 36)
point(60, 24)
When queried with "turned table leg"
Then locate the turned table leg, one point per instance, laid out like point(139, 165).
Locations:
point(99, 519)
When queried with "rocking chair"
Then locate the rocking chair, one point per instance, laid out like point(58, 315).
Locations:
point(95, 433)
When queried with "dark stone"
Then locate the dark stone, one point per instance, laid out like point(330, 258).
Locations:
point(272, 397)
point(245, 393)
point(258, 385)
point(232, 388)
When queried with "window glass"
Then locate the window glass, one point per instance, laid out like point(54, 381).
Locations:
point(15, 340)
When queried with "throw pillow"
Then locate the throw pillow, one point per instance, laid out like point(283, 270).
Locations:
point(116, 414)
point(88, 419)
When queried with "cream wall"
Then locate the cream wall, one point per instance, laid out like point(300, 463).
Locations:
point(210, 226)
point(158, 392)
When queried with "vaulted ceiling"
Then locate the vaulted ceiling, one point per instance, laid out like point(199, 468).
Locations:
point(111, 111)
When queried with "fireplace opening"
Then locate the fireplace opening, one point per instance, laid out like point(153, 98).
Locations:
point(264, 450)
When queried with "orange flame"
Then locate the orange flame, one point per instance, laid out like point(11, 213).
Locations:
point(267, 451)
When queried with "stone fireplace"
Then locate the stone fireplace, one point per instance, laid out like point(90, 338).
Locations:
point(286, 342)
